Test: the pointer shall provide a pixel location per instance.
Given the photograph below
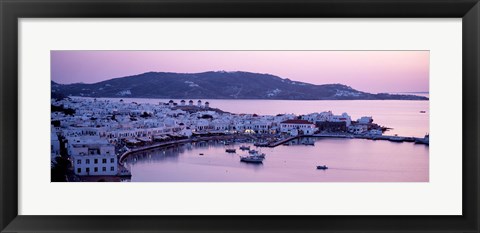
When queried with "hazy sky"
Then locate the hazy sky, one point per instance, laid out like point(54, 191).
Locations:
point(371, 71)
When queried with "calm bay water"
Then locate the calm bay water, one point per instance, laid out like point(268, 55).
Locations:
point(349, 160)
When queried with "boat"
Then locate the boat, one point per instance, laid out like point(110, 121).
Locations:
point(244, 147)
point(422, 111)
point(251, 159)
point(324, 167)
point(253, 151)
point(230, 150)
point(200, 154)
point(258, 154)
point(425, 140)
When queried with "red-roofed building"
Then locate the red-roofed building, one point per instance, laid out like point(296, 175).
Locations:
point(297, 126)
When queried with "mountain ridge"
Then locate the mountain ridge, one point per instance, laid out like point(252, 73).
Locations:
point(218, 85)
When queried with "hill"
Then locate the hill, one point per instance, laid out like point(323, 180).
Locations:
point(218, 85)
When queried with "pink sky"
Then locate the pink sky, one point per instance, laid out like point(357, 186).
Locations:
point(370, 71)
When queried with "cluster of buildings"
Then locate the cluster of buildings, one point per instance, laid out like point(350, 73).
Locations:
point(97, 127)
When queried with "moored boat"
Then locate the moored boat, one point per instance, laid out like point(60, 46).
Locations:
point(244, 147)
point(230, 150)
point(322, 167)
point(251, 159)
point(258, 154)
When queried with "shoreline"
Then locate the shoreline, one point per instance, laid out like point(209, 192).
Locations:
point(177, 142)
point(397, 139)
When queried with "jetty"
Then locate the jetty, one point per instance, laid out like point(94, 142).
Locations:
point(349, 136)
point(280, 142)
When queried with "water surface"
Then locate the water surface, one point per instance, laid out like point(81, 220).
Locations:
point(349, 160)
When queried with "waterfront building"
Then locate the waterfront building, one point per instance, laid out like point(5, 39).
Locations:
point(328, 117)
point(207, 104)
point(365, 120)
point(182, 103)
point(375, 132)
point(358, 129)
point(202, 125)
point(92, 156)
point(297, 126)
point(342, 118)
point(220, 125)
point(199, 103)
point(190, 103)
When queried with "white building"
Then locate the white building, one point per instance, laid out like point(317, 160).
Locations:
point(358, 129)
point(342, 118)
point(294, 127)
point(92, 157)
point(375, 132)
point(328, 117)
point(365, 120)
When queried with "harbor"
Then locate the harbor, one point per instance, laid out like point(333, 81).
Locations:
point(133, 129)
point(347, 160)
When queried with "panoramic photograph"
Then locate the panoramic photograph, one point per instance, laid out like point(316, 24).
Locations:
point(239, 116)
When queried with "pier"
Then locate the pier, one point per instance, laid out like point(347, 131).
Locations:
point(278, 143)
point(349, 136)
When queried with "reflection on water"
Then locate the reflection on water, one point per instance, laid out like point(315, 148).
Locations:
point(349, 160)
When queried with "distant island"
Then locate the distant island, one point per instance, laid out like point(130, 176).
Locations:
point(218, 85)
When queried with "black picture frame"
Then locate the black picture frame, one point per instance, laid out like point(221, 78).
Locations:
point(11, 11)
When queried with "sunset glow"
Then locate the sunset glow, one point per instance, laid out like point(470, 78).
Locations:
point(370, 71)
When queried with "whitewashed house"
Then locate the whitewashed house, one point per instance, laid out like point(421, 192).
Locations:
point(92, 157)
point(358, 129)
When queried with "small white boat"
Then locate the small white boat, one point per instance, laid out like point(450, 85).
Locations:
point(244, 147)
